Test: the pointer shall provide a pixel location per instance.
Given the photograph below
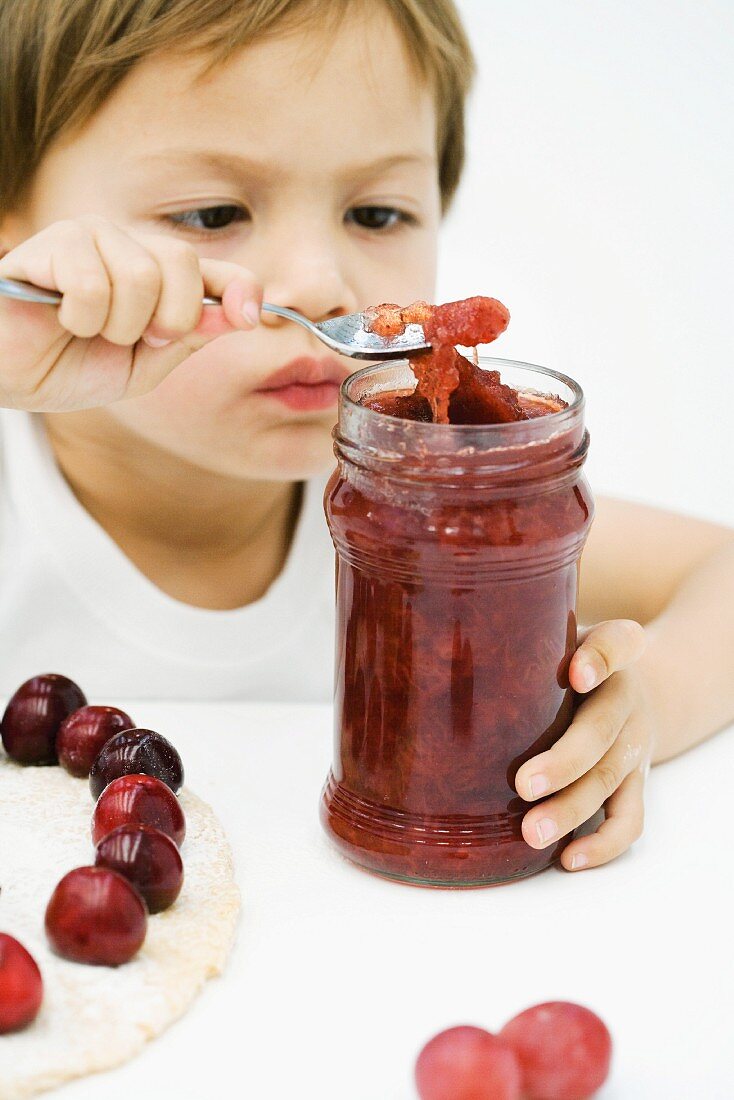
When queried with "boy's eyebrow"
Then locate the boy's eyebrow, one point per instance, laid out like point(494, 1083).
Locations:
point(235, 165)
point(384, 164)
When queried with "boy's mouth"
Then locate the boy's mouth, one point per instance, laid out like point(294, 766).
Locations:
point(306, 384)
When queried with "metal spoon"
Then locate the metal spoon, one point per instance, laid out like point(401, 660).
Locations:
point(345, 335)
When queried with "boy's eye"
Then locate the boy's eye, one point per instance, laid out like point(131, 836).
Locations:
point(377, 217)
point(210, 217)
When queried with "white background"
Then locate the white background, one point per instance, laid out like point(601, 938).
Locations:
point(597, 205)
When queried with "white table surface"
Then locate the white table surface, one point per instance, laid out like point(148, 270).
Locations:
point(339, 977)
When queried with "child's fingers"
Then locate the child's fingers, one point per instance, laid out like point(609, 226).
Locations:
point(239, 290)
point(32, 259)
point(594, 729)
point(64, 257)
point(560, 815)
point(625, 818)
point(179, 305)
point(82, 278)
point(176, 312)
point(606, 648)
point(180, 315)
point(135, 280)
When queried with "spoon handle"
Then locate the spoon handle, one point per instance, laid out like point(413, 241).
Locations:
point(27, 292)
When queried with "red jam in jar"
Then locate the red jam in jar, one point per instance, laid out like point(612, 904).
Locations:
point(458, 548)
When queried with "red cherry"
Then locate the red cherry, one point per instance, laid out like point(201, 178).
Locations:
point(82, 735)
point(138, 800)
point(96, 916)
point(467, 1063)
point(34, 714)
point(564, 1050)
point(21, 985)
point(136, 752)
point(147, 858)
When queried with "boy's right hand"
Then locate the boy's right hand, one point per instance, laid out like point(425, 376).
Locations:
point(132, 311)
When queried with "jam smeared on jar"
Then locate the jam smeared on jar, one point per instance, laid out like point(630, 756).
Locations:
point(451, 389)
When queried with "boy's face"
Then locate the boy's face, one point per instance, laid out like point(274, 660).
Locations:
point(317, 163)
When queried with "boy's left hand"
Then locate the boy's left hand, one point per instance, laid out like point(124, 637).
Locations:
point(602, 758)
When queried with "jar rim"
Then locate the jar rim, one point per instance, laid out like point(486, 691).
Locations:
point(499, 434)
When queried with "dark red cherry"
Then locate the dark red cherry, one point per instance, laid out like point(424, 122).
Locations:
point(84, 733)
point(96, 916)
point(138, 800)
point(136, 752)
point(21, 985)
point(147, 858)
point(34, 714)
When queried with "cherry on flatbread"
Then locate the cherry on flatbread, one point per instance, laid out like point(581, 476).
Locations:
point(564, 1050)
point(34, 714)
point(138, 800)
point(21, 985)
point(467, 1063)
point(96, 916)
point(147, 858)
point(83, 734)
point(136, 752)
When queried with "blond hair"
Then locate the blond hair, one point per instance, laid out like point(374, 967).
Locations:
point(61, 59)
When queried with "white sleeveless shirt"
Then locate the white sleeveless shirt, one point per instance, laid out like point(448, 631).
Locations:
point(72, 602)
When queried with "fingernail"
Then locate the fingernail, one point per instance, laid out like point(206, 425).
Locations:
point(251, 312)
point(546, 829)
point(588, 677)
point(155, 341)
point(539, 784)
point(578, 861)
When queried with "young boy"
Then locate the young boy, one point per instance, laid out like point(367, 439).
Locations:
point(163, 463)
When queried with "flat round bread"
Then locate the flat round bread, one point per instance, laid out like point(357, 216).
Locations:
point(95, 1017)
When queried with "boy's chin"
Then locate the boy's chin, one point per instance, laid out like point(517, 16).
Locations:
point(302, 456)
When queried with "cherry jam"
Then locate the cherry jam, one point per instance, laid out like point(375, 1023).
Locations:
point(458, 551)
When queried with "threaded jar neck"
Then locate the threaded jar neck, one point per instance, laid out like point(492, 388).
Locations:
point(525, 455)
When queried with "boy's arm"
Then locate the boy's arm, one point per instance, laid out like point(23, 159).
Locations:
point(675, 575)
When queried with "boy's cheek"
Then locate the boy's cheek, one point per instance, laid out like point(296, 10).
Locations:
point(205, 413)
point(233, 445)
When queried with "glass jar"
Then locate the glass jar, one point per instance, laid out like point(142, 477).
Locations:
point(458, 553)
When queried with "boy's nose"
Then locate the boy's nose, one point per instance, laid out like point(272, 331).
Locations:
point(312, 284)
